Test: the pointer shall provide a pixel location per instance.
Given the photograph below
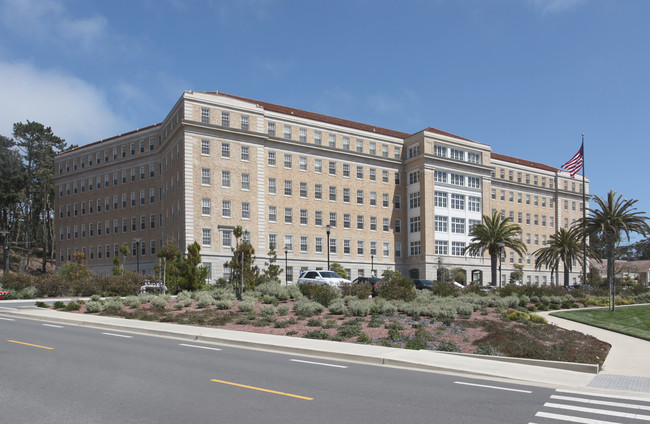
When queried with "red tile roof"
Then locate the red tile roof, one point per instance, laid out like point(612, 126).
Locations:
point(524, 162)
point(111, 138)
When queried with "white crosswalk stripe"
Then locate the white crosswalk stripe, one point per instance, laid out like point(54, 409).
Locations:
point(566, 406)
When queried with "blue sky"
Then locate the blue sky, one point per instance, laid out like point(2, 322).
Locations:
point(524, 76)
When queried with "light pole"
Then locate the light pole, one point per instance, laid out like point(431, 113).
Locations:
point(327, 230)
point(500, 254)
point(4, 250)
point(286, 275)
point(372, 265)
point(137, 255)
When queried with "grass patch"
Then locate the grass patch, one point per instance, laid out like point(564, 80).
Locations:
point(631, 320)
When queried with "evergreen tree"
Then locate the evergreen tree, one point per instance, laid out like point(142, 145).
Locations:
point(191, 276)
point(273, 270)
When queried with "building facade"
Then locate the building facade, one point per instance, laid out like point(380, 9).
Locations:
point(391, 200)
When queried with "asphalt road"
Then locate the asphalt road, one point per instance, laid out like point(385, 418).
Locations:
point(53, 373)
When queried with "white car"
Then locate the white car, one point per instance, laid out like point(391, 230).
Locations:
point(330, 278)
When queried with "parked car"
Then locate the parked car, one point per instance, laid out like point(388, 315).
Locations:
point(488, 288)
point(423, 284)
point(330, 278)
point(373, 281)
point(585, 287)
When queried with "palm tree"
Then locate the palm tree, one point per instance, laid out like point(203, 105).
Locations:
point(493, 235)
point(564, 246)
point(611, 217)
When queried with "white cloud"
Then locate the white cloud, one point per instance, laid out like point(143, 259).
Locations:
point(555, 6)
point(76, 110)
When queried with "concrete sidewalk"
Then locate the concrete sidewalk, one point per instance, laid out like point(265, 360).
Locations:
point(556, 374)
point(628, 362)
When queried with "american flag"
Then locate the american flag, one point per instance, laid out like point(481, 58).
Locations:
point(575, 163)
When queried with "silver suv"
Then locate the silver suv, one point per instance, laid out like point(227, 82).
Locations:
point(330, 278)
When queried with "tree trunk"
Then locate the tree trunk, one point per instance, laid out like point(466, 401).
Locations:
point(493, 269)
point(566, 275)
point(610, 277)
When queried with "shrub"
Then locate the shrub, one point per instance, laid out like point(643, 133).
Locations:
point(93, 306)
point(317, 334)
point(315, 322)
point(159, 301)
point(486, 349)
point(394, 325)
point(419, 340)
point(337, 307)
point(330, 323)
point(538, 319)
point(283, 310)
point(223, 304)
point(205, 301)
point(360, 308)
point(325, 294)
point(113, 305)
point(397, 287)
point(72, 306)
point(514, 315)
point(360, 291)
point(95, 298)
point(246, 306)
point(306, 308)
point(364, 339)
point(267, 310)
point(448, 346)
point(58, 305)
point(40, 304)
point(444, 289)
point(268, 299)
point(349, 330)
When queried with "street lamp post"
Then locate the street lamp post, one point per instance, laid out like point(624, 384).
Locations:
point(500, 255)
point(328, 229)
point(137, 255)
point(286, 275)
point(4, 250)
point(372, 265)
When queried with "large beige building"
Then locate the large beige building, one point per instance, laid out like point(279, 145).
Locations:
point(392, 200)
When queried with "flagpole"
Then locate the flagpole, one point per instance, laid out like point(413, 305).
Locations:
point(584, 216)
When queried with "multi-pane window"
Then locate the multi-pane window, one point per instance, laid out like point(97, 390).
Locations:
point(226, 238)
point(414, 177)
point(413, 151)
point(303, 163)
point(384, 200)
point(457, 179)
point(457, 248)
point(287, 187)
point(373, 148)
point(458, 225)
point(457, 154)
point(244, 122)
point(414, 224)
point(273, 214)
point(473, 157)
point(440, 151)
point(205, 115)
point(271, 129)
point(440, 199)
point(346, 195)
point(287, 131)
point(303, 216)
point(272, 186)
point(318, 137)
point(373, 174)
point(333, 193)
point(346, 220)
point(442, 247)
point(457, 201)
point(373, 198)
point(303, 190)
point(318, 191)
point(360, 247)
point(225, 119)
point(414, 200)
point(245, 155)
point(225, 150)
point(397, 200)
point(359, 197)
point(474, 204)
point(318, 166)
point(346, 143)
point(332, 219)
point(318, 218)
point(441, 223)
point(398, 226)
point(245, 182)
point(359, 146)
point(373, 223)
point(472, 223)
point(333, 245)
point(287, 160)
point(205, 176)
point(360, 172)
point(440, 176)
point(397, 178)
point(303, 243)
point(359, 222)
point(346, 169)
point(303, 134)
point(332, 140)
point(225, 179)
point(225, 208)
point(206, 239)
point(474, 182)
point(414, 248)
point(346, 246)
point(271, 158)
point(386, 225)
point(245, 210)
point(318, 244)
point(288, 215)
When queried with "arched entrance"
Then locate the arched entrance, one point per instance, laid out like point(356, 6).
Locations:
point(477, 276)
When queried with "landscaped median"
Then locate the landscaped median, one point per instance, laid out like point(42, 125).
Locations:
point(471, 323)
point(630, 320)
